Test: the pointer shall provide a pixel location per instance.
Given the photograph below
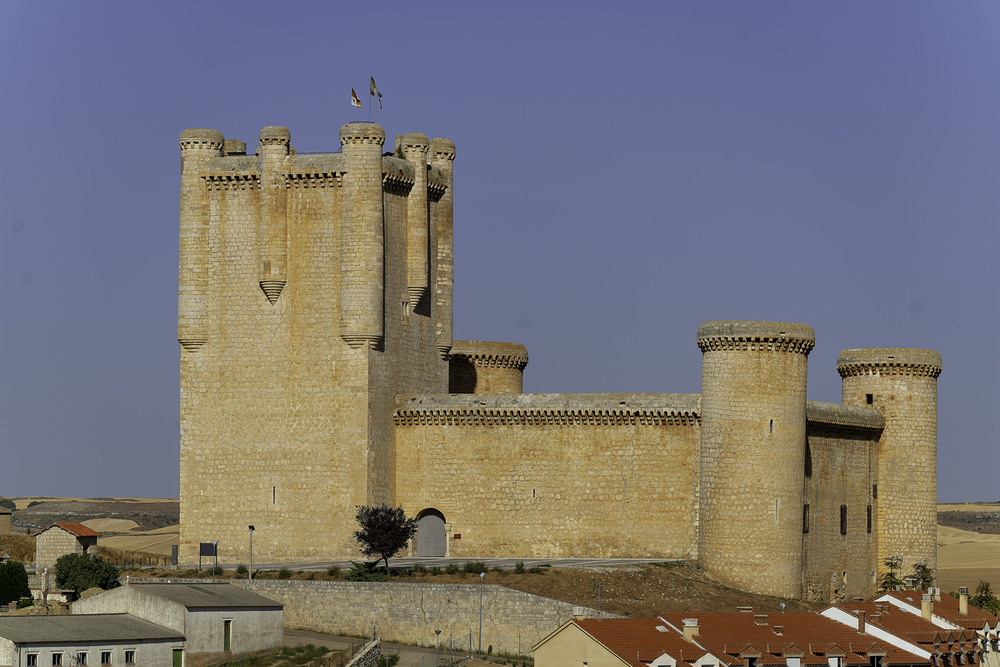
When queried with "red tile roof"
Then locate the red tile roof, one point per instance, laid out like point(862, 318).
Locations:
point(77, 529)
point(638, 642)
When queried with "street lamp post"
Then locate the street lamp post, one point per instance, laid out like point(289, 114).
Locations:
point(251, 553)
point(482, 576)
point(437, 649)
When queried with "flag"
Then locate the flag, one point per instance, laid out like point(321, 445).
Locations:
point(355, 100)
point(373, 90)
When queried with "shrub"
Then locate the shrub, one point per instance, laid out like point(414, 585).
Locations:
point(80, 572)
point(434, 570)
point(419, 569)
point(535, 570)
point(365, 572)
point(217, 570)
point(334, 572)
point(13, 582)
point(451, 569)
point(34, 502)
point(390, 661)
point(284, 573)
point(241, 570)
point(519, 568)
point(497, 568)
point(25, 602)
point(475, 567)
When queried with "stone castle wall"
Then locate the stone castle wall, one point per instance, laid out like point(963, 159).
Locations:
point(841, 467)
point(536, 475)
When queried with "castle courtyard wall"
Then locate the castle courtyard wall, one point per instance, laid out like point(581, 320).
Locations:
point(840, 472)
point(554, 475)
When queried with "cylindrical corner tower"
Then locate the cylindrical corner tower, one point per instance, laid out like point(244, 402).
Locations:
point(442, 155)
point(415, 147)
point(902, 384)
point(198, 146)
point(272, 266)
point(478, 367)
point(361, 243)
point(753, 432)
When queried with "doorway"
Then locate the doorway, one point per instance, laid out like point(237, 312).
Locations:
point(431, 537)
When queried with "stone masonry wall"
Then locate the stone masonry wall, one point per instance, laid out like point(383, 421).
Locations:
point(409, 613)
point(52, 544)
point(562, 475)
point(841, 467)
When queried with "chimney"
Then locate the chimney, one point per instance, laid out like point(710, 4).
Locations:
point(926, 606)
point(963, 600)
point(937, 594)
point(911, 583)
point(861, 622)
point(745, 610)
point(760, 619)
point(690, 629)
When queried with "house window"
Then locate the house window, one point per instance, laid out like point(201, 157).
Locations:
point(56, 659)
point(843, 519)
point(105, 657)
point(81, 659)
point(129, 657)
point(876, 660)
point(805, 518)
point(32, 660)
point(227, 636)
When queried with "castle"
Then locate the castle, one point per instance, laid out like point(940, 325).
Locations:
point(318, 373)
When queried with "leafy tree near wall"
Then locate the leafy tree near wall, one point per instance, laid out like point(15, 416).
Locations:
point(384, 531)
point(984, 598)
point(923, 575)
point(13, 582)
point(890, 581)
point(80, 572)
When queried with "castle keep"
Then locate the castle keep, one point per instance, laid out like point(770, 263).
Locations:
point(318, 372)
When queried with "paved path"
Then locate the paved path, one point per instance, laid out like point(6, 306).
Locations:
point(409, 656)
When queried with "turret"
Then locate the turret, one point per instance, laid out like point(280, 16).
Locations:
point(442, 155)
point(478, 367)
point(414, 147)
point(753, 431)
point(273, 243)
point(361, 244)
point(902, 384)
point(197, 146)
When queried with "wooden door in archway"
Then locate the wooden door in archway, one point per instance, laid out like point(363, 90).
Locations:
point(431, 537)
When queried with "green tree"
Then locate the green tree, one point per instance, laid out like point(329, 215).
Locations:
point(80, 572)
point(984, 598)
point(8, 503)
point(890, 580)
point(13, 582)
point(384, 531)
point(923, 575)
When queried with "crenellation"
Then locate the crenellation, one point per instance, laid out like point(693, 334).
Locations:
point(315, 319)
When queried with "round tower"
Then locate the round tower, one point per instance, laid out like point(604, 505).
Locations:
point(902, 384)
point(361, 243)
point(272, 263)
point(479, 367)
point(198, 146)
point(753, 431)
point(442, 156)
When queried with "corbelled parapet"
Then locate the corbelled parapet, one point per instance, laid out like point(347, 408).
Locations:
point(889, 361)
point(272, 264)
point(479, 367)
point(753, 411)
point(198, 146)
point(235, 147)
point(756, 336)
point(442, 156)
point(901, 383)
point(362, 235)
point(414, 147)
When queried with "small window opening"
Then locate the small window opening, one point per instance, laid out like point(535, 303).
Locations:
point(406, 308)
point(876, 660)
point(32, 660)
point(843, 519)
point(105, 657)
point(870, 399)
point(56, 659)
point(869, 518)
point(532, 493)
point(274, 494)
point(129, 657)
point(81, 658)
point(874, 490)
point(771, 427)
point(805, 518)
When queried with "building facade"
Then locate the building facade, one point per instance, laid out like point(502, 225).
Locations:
point(319, 372)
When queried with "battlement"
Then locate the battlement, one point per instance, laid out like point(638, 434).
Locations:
point(756, 336)
point(889, 361)
point(548, 410)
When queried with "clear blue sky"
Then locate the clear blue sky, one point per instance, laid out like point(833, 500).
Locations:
point(624, 172)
